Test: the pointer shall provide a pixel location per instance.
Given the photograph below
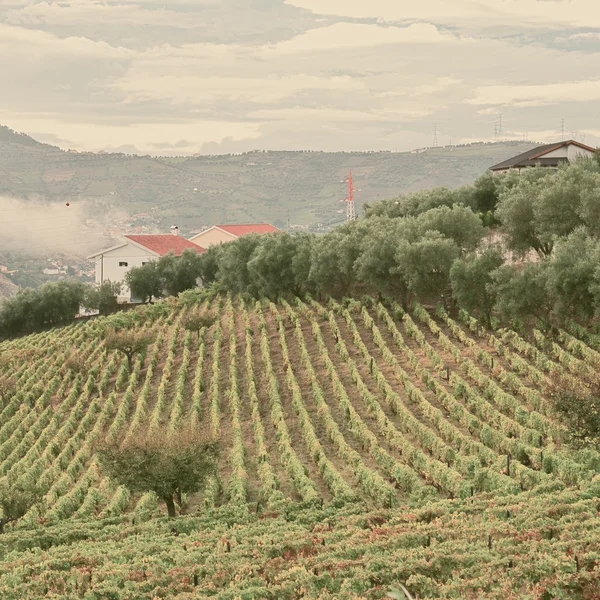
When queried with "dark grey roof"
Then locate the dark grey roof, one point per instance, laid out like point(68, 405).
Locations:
point(526, 159)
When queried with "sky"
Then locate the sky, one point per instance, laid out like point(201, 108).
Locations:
point(221, 76)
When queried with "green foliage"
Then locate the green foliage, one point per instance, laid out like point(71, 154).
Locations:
point(16, 498)
point(457, 223)
point(233, 260)
point(521, 291)
point(571, 275)
point(179, 273)
point(103, 297)
point(208, 264)
point(195, 320)
point(377, 265)
point(545, 205)
point(415, 203)
point(472, 284)
point(425, 265)
point(145, 282)
point(54, 303)
point(578, 407)
point(129, 342)
point(516, 213)
point(280, 264)
point(333, 259)
point(177, 463)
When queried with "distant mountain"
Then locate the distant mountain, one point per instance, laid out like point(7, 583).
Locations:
point(305, 187)
point(9, 136)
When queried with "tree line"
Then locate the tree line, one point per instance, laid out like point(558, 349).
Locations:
point(52, 304)
point(434, 246)
point(429, 246)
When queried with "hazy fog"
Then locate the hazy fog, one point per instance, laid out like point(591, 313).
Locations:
point(39, 228)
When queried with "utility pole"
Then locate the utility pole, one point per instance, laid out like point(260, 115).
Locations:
point(500, 130)
point(350, 208)
point(562, 130)
point(435, 136)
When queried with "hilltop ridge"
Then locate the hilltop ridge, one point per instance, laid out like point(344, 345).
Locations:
point(306, 188)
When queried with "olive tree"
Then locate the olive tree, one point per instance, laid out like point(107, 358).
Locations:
point(472, 284)
point(16, 498)
point(145, 282)
point(578, 406)
point(129, 342)
point(168, 464)
point(195, 320)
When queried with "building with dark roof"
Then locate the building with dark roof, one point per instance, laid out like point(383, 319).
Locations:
point(548, 155)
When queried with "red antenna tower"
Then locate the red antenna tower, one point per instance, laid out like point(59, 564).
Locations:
point(350, 208)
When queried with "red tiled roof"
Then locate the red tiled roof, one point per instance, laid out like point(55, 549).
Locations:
point(239, 230)
point(163, 243)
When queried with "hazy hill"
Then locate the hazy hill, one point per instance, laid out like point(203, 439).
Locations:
point(257, 186)
point(7, 287)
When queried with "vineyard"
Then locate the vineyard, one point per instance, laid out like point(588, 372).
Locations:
point(361, 446)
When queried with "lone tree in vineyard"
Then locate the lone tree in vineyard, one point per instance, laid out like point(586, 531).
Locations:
point(578, 406)
point(195, 321)
point(129, 342)
point(169, 465)
point(16, 498)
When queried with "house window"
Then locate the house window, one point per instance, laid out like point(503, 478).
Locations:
point(123, 264)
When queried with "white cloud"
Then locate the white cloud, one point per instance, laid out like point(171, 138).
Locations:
point(18, 42)
point(84, 12)
point(86, 135)
point(205, 91)
point(353, 36)
point(533, 13)
point(537, 95)
point(330, 115)
point(326, 85)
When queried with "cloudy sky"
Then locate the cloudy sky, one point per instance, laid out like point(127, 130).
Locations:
point(216, 76)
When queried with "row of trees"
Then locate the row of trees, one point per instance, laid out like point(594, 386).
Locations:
point(54, 303)
point(424, 246)
point(407, 257)
point(429, 246)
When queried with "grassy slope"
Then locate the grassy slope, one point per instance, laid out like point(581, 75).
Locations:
point(376, 409)
point(309, 185)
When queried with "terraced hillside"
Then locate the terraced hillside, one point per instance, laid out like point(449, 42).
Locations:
point(361, 446)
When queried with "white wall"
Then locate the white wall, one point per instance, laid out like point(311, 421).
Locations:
point(576, 152)
point(210, 237)
point(572, 152)
point(558, 153)
point(108, 269)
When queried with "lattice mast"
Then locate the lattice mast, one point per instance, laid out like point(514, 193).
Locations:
point(350, 208)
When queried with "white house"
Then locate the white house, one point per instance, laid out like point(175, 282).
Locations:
point(136, 250)
point(549, 155)
point(217, 234)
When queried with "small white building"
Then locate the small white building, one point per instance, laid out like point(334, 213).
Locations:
point(217, 234)
point(549, 155)
point(136, 250)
